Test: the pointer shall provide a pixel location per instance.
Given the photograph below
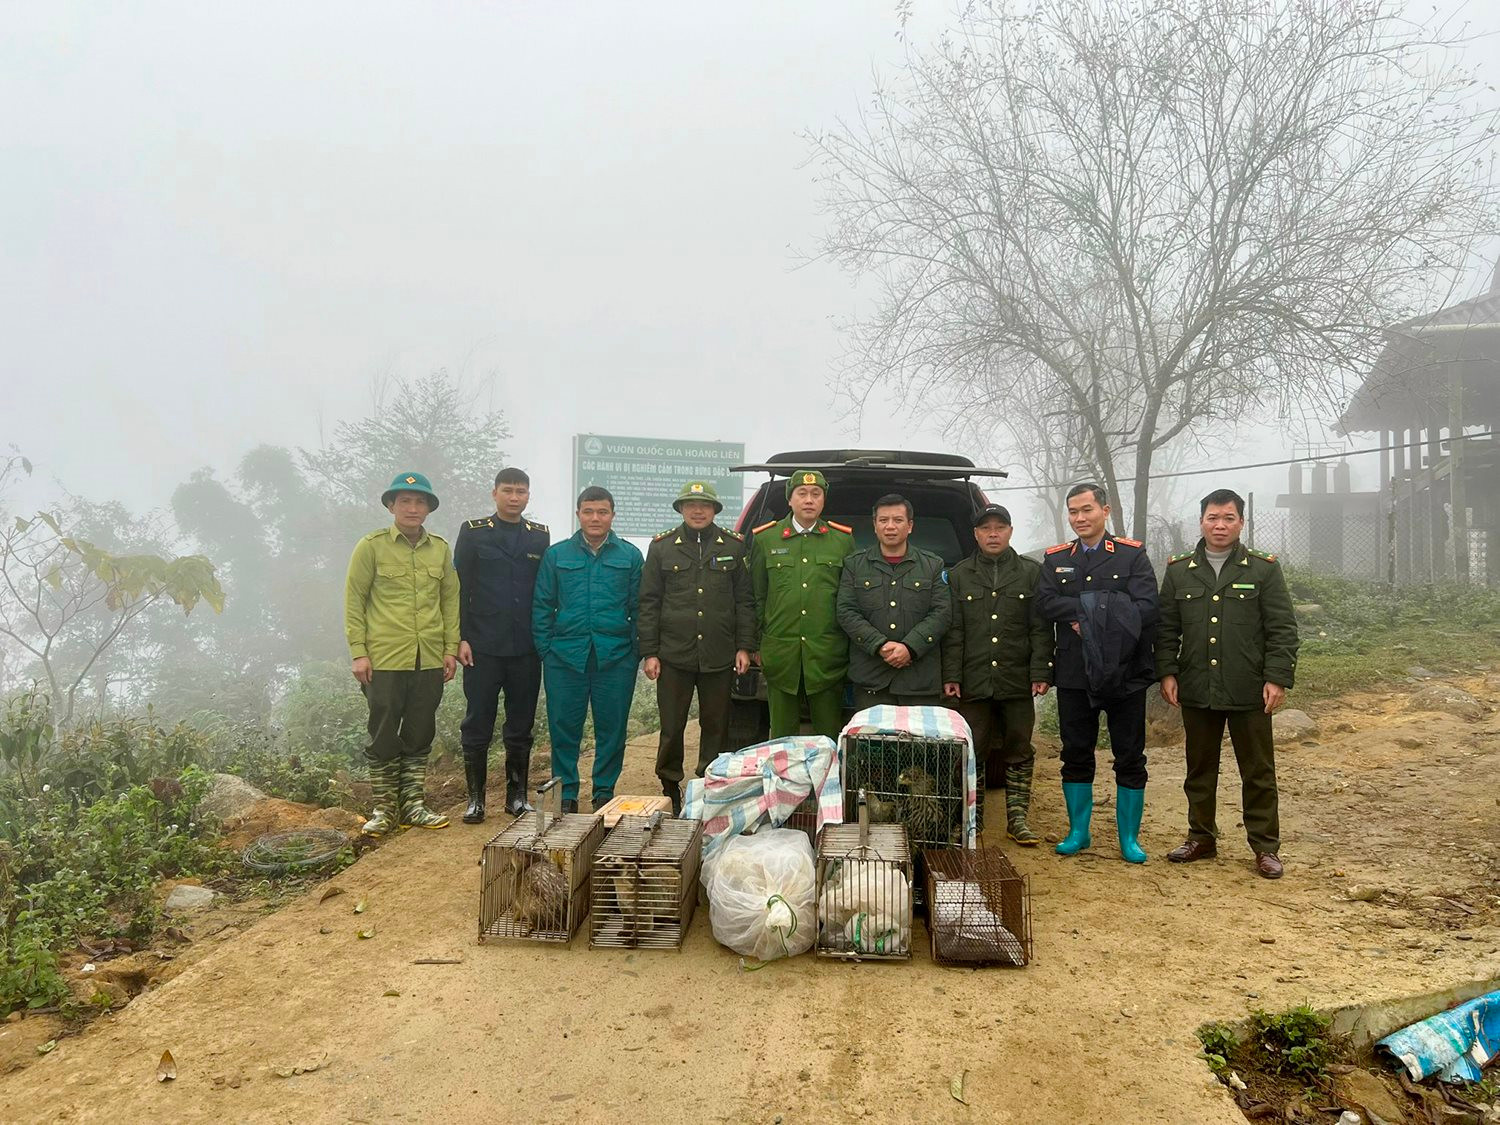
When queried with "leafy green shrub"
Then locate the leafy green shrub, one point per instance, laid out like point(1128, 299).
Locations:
point(1219, 1044)
point(319, 777)
point(1296, 1043)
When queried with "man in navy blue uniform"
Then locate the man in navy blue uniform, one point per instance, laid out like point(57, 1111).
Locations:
point(497, 557)
point(1114, 676)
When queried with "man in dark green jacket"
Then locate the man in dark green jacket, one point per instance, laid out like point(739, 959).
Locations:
point(794, 567)
point(894, 604)
point(583, 620)
point(697, 629)
point(997, 657)
point(1226, 652)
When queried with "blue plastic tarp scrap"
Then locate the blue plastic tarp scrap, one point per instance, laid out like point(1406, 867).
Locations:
point(1454, 1044)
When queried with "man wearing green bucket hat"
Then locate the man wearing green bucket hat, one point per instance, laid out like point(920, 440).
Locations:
point(804, 652)
point(401, 622)
point(697, 627)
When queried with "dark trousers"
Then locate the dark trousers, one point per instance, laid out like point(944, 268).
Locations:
point(520, 678)
point(403, 713)
point(874, 697)
point(571, 694)
point(1250, 734)
point(674, 696)
point(1001, 729)
point(1078, 724)
point(825, 710)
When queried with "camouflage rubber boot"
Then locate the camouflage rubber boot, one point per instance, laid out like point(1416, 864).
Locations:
point(1018, 803)
point(385, 797)
point(414, 813)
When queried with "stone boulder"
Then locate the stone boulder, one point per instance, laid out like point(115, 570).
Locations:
point(229, 796)
point(1446, 699)
point(1292, 726)
point(185, 896)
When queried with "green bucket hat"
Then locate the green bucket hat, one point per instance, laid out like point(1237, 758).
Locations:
point(805, 476)
point(409, 482)
point(698, 490)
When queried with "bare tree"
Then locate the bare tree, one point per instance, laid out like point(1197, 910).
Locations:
point(1153, 220)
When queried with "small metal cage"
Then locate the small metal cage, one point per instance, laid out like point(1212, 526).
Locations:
point(534, 875)
point(645, 883)
point(978, 908)
point(864, 881)
point(915, 781)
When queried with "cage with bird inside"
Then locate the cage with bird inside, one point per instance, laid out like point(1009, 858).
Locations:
point(645, 883)
point(864, 874)
point(978, 908)
point(534, 875)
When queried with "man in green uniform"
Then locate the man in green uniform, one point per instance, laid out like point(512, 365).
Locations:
point(697, 629)
point(804, 653)
point(583, 620)
point(1226, 651)
point(401, 621)
point(893, 602)
point(997, 657)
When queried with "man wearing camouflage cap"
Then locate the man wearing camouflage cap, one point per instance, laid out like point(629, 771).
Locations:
point(401, 622)
point(796, 564)
point(697, 629)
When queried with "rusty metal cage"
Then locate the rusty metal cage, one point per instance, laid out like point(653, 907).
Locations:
point(911, 780)
point(864, 881)
point(645, 883)
point(978, 908)
point(534, 875)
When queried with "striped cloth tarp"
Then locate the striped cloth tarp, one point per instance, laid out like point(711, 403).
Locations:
point(926, 722)
point(763, 784)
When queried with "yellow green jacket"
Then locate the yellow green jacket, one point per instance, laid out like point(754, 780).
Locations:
point(401, 601)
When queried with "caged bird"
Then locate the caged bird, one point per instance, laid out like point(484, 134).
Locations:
point(541, 897)
point(920, 810)
point(882, 811)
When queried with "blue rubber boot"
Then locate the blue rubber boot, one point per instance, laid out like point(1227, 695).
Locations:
point(1129, 804)
point(1079, 797)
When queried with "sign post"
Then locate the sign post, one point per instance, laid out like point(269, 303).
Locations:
point(645, 475)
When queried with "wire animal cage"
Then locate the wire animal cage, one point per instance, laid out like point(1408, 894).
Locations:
point(864, 880)
point(645, 883)
point(978, 908)
point(534, 875)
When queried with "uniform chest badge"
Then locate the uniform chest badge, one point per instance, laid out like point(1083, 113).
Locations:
point(1062, 570)
point(1243, 586)
point(780, 551)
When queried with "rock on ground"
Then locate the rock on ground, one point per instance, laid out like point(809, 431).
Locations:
point(229, 796)
point(187, 897)
point(1292, 726)
point(1359, 1089)
point(1448, 699)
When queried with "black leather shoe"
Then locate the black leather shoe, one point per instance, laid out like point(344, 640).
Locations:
point(476, 773)
point(1190, 851)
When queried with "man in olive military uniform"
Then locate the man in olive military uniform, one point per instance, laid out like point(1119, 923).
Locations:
point(795, 564)
point(1226, 651)
point(497, 557)
point(893, 602)
point(401, 623)
point(697, 629)
point(1073, 574)
point(997, 657)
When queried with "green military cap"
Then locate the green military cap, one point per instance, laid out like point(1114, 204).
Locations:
point(409, 482)
point(699, 490)
point(805, 476)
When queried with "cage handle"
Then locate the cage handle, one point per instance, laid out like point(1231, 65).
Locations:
point(864, 821)
point(551, 785)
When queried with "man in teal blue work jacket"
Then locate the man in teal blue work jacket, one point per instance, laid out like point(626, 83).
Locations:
point(583, 618)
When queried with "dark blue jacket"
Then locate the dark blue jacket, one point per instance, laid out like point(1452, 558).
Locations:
point(497, 565)
point(1116, 564)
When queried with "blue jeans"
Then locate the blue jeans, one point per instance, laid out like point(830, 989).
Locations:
point(569, 694)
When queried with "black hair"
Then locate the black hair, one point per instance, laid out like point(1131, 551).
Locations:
point(595, 492)
point(890, 500)
point(1222, 496)
point(1100, 496)
point(512, 475)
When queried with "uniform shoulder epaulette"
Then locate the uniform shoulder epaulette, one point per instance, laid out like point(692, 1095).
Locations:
point(762, 527)
point(1267, 555)
point(840, 527)
point(1180, 558)
point(1059, 547)
point(733, 534)
point(532, 525)
point(482, 521)
point(377, 534)
point(441, 539)
point(1129, 542)
point(662, 534)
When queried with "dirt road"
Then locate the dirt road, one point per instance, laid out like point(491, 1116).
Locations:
point(1129, 961)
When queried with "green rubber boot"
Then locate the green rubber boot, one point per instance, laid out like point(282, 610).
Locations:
point(1018, 804)
point(1129, 805)
point(1079, 797)
point(385, 797)
point(414, 813)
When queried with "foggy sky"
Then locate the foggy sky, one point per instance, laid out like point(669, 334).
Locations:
point(221, 223)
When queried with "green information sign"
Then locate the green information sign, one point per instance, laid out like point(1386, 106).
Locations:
point(646, 474)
